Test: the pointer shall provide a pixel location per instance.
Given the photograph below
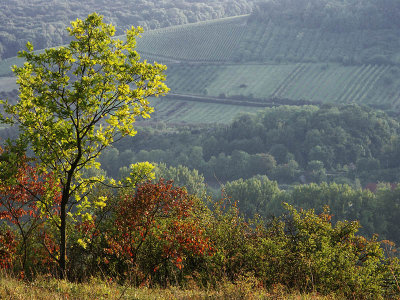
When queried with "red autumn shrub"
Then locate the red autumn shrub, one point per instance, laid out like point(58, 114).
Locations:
point(24, 207)
point(8, 247)
point(157, 226)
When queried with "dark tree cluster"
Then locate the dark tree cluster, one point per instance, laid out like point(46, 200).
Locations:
point(337, 16)
point(288, 144)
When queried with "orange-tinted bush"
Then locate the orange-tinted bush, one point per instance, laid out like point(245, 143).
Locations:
point(157, 228)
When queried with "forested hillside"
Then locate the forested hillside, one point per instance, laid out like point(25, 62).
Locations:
point(43, 22)
point(288, 144)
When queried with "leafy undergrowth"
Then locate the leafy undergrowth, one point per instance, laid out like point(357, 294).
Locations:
point(48, 288)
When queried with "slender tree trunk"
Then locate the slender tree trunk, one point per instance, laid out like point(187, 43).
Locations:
point(63, 213)
point(63, 240)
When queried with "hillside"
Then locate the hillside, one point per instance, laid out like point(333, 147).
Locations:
point(285, 52)
point(43, 22)
point(242, 57)
point(248, 39)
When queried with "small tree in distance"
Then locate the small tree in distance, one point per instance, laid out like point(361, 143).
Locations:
point(74, 101)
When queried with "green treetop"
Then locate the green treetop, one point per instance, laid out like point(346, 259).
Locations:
point(78, 99)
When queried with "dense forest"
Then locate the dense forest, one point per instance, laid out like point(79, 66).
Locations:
point(290, 146)
point(345, 144)
point(43, 22)
point(340, 16)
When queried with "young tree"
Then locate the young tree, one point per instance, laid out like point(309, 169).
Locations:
point(77, 100)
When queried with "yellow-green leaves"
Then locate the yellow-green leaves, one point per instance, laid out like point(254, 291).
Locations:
point(29, 46)
point(139, 172)
point(78, 99)
point(69, 118)
point(101, 203)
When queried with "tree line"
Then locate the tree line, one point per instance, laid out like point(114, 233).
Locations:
point(336, 16)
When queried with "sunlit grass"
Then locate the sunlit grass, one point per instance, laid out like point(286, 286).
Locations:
point(49, 288)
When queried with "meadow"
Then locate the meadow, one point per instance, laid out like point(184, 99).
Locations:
point(45, 288)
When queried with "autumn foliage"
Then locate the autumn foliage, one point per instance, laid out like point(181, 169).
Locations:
point(157, 227)
point(158, 234)
point(25, 192)
point(8, 246)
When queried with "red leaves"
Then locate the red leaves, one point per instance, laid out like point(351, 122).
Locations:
point(24, 196)
point(8, 246)
point(19, 198)
point(164, 214)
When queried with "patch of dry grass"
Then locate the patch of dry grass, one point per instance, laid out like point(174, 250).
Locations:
point(49, 288)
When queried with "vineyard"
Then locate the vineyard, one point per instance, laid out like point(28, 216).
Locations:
point(178, 111)
point(269, 42)
point(215, 40)
point(238, 39)
point(316, 82)
point(238, 58)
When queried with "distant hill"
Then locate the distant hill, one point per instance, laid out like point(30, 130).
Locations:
point(290, 52)
point(43, 22)
point(264, 60)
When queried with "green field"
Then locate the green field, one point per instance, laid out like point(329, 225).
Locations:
point(192, 112)
point(334, 83)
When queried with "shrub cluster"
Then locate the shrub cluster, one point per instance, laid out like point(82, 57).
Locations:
point(159, 234)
